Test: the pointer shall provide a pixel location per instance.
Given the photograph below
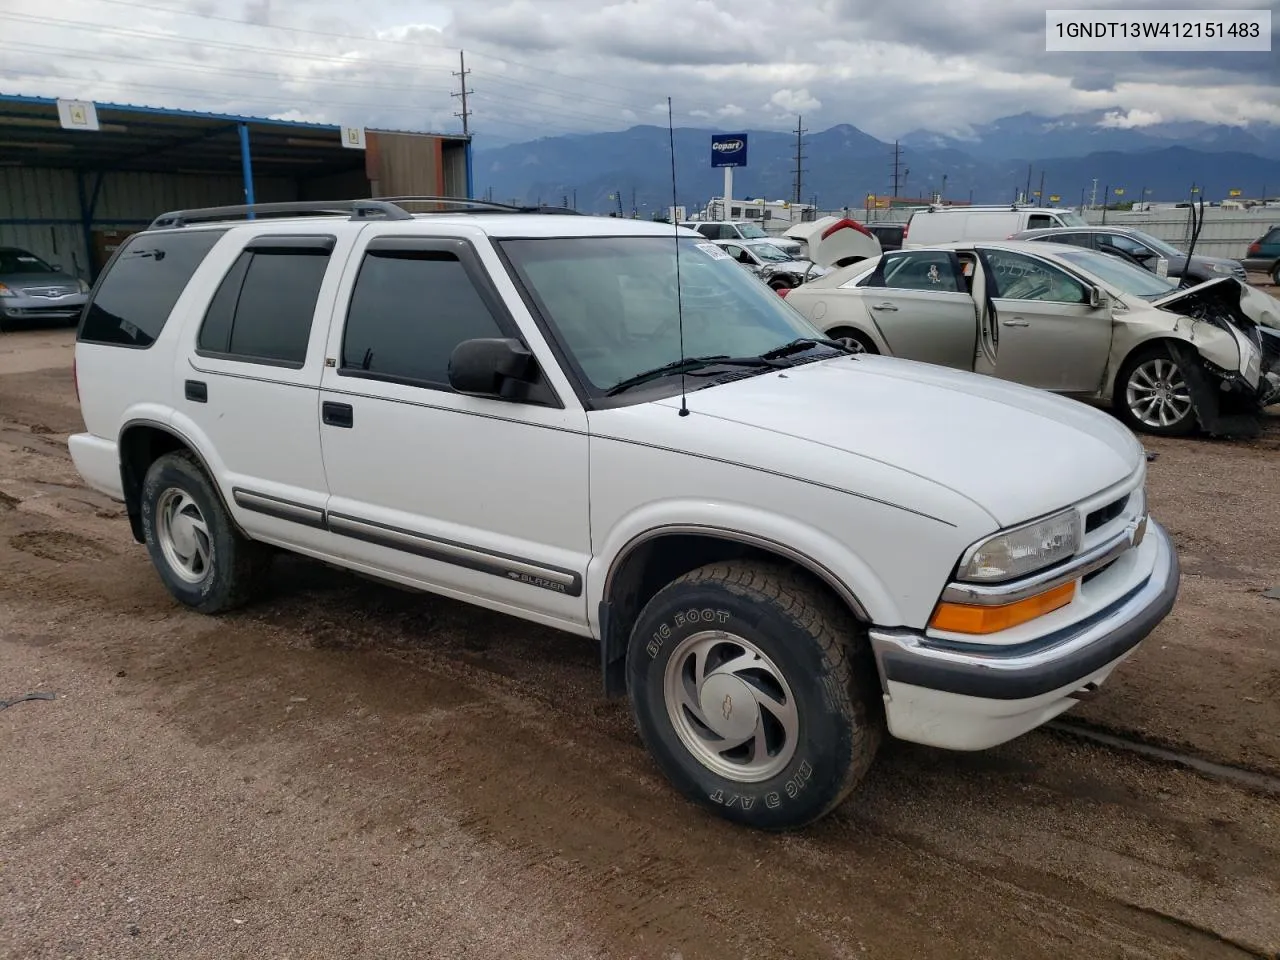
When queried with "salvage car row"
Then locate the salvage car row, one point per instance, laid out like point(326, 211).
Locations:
point(1092, 313)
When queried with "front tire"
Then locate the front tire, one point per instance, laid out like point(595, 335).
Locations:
point(1153, 393)
point(856, 339)
point(203, 560)
point(755, 693)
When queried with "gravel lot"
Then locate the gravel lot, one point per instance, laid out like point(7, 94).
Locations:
point(346, 770)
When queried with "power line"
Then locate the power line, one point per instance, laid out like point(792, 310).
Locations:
point(461, 74)
point(348, 37)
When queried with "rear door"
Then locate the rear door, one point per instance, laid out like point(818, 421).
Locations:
point(249, 378)
point(918, 301)
point(1046, 333)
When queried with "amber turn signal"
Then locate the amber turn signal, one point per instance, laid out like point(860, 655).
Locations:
point(972, 618)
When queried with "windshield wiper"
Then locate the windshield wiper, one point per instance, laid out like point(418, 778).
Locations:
point(804, 343)
point(689, 364)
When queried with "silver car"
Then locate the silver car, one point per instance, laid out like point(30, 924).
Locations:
point(1062, 318)
point(31, 289)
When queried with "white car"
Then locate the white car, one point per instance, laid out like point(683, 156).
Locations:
point(1066, 319)
point(835, 241)
point(742, 230)
point(946, 224)
point(764, 259)
point(608, 427)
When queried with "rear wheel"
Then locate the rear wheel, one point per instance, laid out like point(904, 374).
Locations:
point(1153, 393)
point(854, 339)
point(755, 692)
point(1275, 274)
point(204, 561)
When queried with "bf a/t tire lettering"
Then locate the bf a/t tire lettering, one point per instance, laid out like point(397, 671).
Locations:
point(663, 633)
point(800, 780)
point(746, 803)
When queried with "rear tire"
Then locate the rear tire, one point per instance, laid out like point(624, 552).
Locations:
point(1275, 274)
point(203, 560)
point(854, 338)
point(755, 692)
point(1153, 393)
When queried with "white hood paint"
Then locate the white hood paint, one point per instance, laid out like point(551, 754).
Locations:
point(1016, 452)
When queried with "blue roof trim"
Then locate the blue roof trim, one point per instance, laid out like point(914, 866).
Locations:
point(175, 112)
point(226, 117)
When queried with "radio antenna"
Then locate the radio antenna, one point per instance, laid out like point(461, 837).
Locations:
point(675, 225)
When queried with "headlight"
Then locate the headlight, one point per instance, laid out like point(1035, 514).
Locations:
point(1222, 268)
point(6, 292)
point(84, 287)
point(1023, 550)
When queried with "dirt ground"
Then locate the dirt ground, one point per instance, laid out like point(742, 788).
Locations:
point(347, 770)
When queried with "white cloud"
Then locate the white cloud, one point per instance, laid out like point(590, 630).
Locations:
point(542, 67)
point(1123, 120)
point(795, 101)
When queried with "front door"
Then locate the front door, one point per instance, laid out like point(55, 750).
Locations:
point(919, 302)
point(1046, 333)
point(484, 499)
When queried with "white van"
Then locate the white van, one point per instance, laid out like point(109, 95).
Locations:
point(950, 224)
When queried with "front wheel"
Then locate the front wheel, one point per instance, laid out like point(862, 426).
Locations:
point(755, 693)
point(856, 340)
point(1153, 393)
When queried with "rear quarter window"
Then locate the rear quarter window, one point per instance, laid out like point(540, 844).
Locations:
point(136, 295)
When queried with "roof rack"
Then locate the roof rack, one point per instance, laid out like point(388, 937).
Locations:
point(383, 208)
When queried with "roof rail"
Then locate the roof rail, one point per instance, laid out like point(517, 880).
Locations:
point(383, 208)
point(358, 209)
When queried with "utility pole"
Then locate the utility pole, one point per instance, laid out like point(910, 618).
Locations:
point(461, 74)
point(1040, 196)
point(1026, 194)
point(897, 164)
point(1093, 197)
point(634, 213)
point(798, 186)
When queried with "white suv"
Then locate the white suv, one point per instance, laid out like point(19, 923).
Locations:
point(491, 405)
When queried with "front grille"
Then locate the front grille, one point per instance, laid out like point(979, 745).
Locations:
point(49, 293)
point(1104, 515)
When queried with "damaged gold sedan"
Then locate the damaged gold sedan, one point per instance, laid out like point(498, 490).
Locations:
point(1169, 360)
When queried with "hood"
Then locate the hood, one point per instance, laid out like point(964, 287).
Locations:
point(41, 279)
point(801, 267)
point(1016, 452)
point(1224, 295)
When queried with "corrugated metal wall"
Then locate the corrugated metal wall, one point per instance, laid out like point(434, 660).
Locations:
point(1225, 233)
point(126, 200)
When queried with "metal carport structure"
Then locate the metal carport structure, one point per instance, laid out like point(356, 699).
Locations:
point(67, 192)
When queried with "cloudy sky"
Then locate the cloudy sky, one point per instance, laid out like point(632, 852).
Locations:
point(544, 67)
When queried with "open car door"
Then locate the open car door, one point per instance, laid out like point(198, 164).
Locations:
point(1045, 326)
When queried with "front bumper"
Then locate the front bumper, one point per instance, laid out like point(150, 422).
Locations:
point(961, 698)
point(43, 308)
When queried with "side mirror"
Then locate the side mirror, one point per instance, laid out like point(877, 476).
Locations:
point(57, 267)
point(1096, 298)
point(490, 367)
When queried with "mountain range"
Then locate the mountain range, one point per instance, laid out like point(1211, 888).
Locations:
point(843, 164)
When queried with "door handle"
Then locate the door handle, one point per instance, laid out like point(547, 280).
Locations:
point(337, 414)
point(883, 306)
point(1016, 322)
point(197, 391)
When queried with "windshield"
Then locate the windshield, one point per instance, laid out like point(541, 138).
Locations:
point(1156, 244)
point(750, 231)
point(767, 251)
point(612, 302)
point(1120, 274)
point(19, 261)
point(1071, 219)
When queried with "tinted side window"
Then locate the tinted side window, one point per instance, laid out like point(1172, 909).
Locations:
point(929, 270)
point(263, 309)
point(1273, 236)
point(408, 311)
point(1037, 220)
point(135, 298)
